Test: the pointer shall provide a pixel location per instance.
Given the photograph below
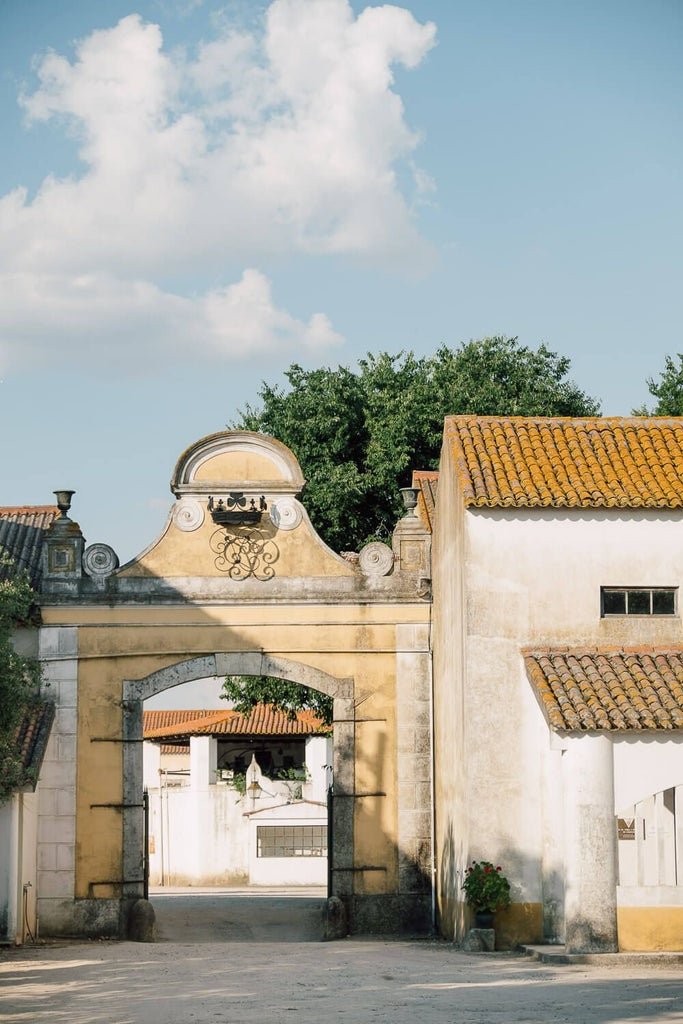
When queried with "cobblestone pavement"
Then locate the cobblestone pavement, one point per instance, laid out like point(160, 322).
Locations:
point(234, 977)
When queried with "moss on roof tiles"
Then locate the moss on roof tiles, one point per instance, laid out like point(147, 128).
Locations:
point(608, 690)
point(620, 462)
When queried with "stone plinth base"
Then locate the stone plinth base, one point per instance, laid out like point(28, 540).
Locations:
point(406, 915)
point(480, 940)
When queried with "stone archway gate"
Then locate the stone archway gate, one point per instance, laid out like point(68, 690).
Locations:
point(238, 582)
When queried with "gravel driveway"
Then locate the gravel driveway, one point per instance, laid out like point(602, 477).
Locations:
point(243, 977)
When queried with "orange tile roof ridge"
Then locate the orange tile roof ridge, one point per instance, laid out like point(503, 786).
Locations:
point(608, 689)
point(427, 481)
point(187, 723)
point(264, 720)
point(567, 462)
point(27, 509)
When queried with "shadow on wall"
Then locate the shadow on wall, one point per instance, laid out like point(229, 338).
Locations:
point(519, 924)
point(143, 632)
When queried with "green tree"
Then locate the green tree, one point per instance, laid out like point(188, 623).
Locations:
point(668, 390)
point(19, 676)
point(248, 691)
point(359, 434)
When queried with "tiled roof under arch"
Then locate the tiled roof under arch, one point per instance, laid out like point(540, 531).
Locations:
point(555, 462)
point(264, 720)
point(620, 689)
point(162, 719)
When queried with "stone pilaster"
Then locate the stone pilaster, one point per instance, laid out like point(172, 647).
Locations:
point(57, 790)
point(414, 770)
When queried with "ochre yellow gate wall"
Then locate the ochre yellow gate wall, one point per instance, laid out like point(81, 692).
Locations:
point(238, 583)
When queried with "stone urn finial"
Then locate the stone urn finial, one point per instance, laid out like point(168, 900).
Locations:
point(409, 495)
point(64, 502)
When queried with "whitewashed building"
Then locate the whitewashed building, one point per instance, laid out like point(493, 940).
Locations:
point(215, 818)
point(37, 737)
point(558, 676)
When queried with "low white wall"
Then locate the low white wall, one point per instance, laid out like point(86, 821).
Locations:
point(205, 837)
point(197, 836)
point(287, 870)
point(645, 765)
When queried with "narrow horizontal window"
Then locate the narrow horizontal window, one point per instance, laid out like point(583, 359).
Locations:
point(638, 601)
point(291, 841)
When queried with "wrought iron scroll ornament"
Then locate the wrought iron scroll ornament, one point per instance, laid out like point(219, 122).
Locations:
point(242, 553)
point(249, 553)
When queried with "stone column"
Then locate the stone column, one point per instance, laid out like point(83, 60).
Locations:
point(203, 761)
point(316, 760)
point(590, 845)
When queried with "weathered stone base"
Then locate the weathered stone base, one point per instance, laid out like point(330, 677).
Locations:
point(335, 924)
point(479, 940)
point(82, 918)
point(390, 915)
point(582, 936)
point(142, 922)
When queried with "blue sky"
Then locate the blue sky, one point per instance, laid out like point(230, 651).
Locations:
point(194, 195)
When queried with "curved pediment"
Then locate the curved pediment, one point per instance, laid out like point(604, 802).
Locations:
point(237, 460)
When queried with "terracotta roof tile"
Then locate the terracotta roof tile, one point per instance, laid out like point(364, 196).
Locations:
point(31, 736)
point(427, 481)
point(22, 529)
point(263, 721)
point(159, 719)
point(623, 689)
point(568, 463)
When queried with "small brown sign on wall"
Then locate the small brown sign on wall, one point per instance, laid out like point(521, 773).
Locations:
point(626, 828)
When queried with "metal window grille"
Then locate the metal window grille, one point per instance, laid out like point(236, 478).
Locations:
point(291, 841)
point(638, 601)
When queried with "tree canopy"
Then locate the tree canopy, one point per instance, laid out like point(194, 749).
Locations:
point(247, 691)
point(19, 678)
point(358, 434)
point(668, 390)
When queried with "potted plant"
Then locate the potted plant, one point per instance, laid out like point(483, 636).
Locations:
point(486, 889)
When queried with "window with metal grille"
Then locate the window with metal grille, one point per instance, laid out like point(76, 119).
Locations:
point(638, 601)
point(291, 841)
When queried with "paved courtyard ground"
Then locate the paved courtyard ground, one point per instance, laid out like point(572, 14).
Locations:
point(234, 961)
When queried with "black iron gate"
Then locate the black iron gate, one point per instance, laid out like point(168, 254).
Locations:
point(330, 838)
point(145, 840)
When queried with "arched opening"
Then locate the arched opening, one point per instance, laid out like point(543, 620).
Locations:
point(266, 829)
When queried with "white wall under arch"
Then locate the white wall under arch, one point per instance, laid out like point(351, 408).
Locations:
point(249, 663)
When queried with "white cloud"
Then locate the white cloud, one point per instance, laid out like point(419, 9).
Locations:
point(280, 141)
point(53, 317)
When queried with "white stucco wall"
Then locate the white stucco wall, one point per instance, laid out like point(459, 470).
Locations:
point(645, 764)
point(202, 831)
point(18, 867)
point(294, 871)
point(207, 836)
point(533, 578)
point(197, 836)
